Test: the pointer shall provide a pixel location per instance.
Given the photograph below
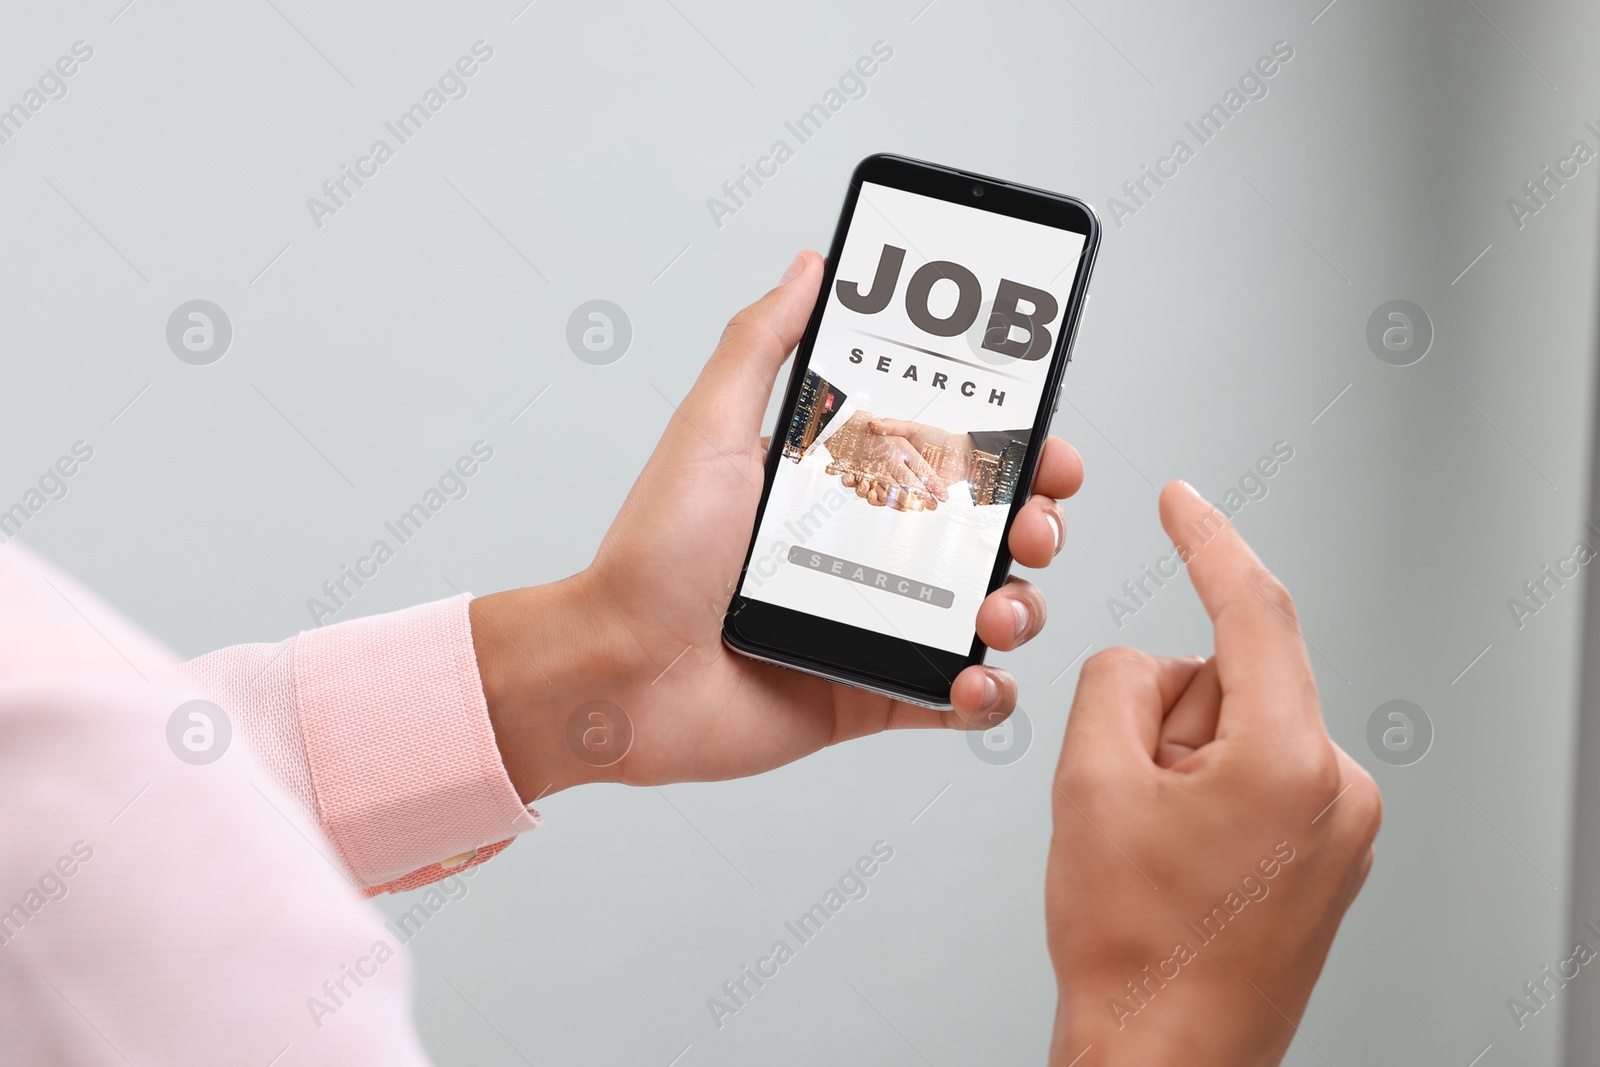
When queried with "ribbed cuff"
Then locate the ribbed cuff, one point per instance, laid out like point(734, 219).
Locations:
point(402, 755)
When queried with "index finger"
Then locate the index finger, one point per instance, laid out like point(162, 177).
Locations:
point(1261, 654)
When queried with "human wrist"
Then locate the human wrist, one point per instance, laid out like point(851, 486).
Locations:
point(1079, 1042)
point(1203, 1032)
point(1078, 1031)
point(542, 652)
point(961, 446)
point(842, 436)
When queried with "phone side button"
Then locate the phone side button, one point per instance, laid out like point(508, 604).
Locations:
point(1077, 324)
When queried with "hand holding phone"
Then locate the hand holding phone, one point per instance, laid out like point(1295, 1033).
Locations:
point(641, 627)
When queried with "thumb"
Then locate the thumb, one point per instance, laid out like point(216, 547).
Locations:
point(892, 427)
point(729, 399)
point(1123, 697)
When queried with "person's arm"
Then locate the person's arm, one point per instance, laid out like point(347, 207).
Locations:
point(379, 729)
point(414, 739)
point(160, 906)
point(1209, 835)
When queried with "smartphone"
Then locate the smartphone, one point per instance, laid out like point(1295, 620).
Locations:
point(921, 395)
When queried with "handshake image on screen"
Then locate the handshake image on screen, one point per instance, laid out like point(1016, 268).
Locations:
point(895, 463)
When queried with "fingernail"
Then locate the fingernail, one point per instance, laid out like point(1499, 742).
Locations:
point(1020, 610)
point(991, 691)
point(795, 267)
point(1055, 528)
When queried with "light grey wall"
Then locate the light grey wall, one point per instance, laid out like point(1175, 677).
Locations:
point(1229, 313)
point(1583, 1015)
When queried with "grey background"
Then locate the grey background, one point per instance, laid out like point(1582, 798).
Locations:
point(1227, 315)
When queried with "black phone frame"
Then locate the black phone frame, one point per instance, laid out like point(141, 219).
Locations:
point(895, 666)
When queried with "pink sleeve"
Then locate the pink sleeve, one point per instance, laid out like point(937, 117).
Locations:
point(157, 909)
point(379, 729)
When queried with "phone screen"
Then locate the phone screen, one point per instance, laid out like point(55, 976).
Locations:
point(929, 363)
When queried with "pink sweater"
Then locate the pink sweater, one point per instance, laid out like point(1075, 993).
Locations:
point(155, 910)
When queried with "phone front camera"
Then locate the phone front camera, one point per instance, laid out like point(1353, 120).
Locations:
point(977, 190)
